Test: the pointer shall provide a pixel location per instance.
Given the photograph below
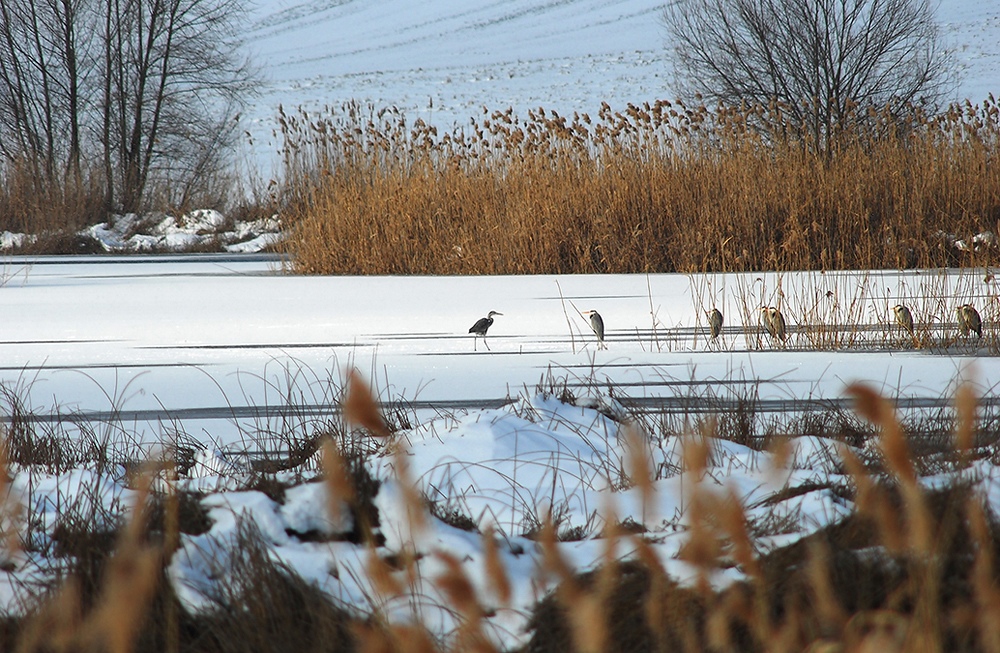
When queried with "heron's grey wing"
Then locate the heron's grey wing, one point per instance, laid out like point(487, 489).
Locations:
point(715, 322)
point(779, 325)
point(598, 322)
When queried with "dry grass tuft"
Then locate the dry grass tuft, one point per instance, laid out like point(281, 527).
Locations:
point(54, 210)
point(461, 594)
point(361, 407)
point(496, 575)
point(112, 620)
point(264, 606)
point(673, 619)
point(912, 569)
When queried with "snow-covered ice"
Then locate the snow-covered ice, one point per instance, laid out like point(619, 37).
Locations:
point(218, 353)
point(215, 352)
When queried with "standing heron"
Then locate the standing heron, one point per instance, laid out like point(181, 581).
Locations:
point(714, 322)
point(596, 323)
point(482, 325)
point(904, 318)
point(774, 322)
point(969, 320)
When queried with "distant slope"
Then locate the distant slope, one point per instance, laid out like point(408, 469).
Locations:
point(442, 60)
point(971, 29)
point(338, 37)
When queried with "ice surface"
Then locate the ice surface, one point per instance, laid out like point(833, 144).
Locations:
point(186, 351)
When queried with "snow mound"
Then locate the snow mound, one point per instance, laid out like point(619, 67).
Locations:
point(202, 229)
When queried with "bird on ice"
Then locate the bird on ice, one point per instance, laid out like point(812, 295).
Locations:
point(596, 323)
point(969, 320)
point(482, 325)
point(714, 322)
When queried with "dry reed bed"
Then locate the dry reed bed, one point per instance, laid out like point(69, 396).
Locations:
point(844, 311)
point(52, 208)
point(659, 188)
point(52, 212)
point(914, 569)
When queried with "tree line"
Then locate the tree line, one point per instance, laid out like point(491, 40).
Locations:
point(130, 93)
point(140, 98)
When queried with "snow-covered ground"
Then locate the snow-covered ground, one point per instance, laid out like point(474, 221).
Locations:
point(443, 60)
point(123, 234)
point(199, 229)
point(220, 351)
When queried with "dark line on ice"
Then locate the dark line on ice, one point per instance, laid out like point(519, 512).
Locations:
point(649, 405)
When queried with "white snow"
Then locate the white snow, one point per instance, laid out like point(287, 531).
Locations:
point(180, 351)
point(224, 354)
point(11, 240)
point(130, 233)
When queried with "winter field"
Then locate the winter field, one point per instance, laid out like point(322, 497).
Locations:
point(444, 61)
point(232, 368)
point(536, 447)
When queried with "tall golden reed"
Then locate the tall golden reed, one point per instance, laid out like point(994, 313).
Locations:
point(655, 188)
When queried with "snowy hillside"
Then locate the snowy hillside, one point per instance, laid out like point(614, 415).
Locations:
point(443, 60)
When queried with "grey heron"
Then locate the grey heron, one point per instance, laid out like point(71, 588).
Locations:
point(904, 318)
point(596, 323)
point(482, 325)
point(774, 322)
point(714, 322)
point(969, 320)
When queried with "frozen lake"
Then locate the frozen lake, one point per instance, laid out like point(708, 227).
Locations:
point(224, 347)
point(228, 352)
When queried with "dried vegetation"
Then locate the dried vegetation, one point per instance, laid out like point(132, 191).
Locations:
point(913, 568)
point(662, 187)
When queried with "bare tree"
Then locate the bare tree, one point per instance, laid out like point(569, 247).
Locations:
point(172, 84)
point(40, 86)
point(150, 88)
point(825, 61)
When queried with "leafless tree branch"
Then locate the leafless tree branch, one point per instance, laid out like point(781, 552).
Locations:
point(148, 87)
point(825, 61)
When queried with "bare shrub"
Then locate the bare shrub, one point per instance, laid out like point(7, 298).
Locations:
point(826, 62)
